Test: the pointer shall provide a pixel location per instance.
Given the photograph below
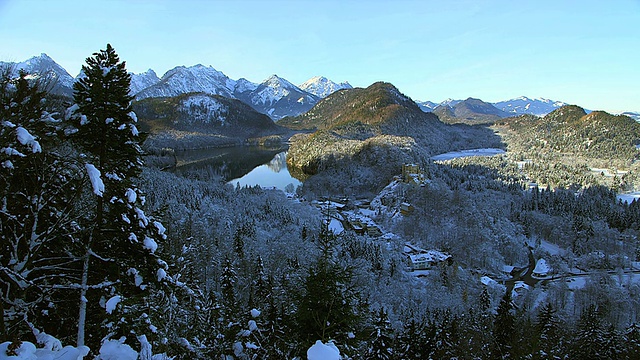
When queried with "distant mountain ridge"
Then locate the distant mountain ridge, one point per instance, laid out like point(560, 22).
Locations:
point(525, 105)
point(469, 111)
point(518, 106)
point(570, 130)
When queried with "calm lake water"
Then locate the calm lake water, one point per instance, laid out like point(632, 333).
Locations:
point(244, 165)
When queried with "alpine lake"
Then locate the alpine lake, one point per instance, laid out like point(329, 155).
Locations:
point(265, 166)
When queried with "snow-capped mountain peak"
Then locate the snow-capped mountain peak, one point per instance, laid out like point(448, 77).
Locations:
point(45, 67)
point(197, 78)
point(272, 89)
point(275, 81)
point(322, 87)
point(525, 105)
point(143, 80)
point(244, 85)
point(450, 102)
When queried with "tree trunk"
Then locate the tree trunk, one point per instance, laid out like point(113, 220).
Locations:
point(82, 315)
point(3, 331)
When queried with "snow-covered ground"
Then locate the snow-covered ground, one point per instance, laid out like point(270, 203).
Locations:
point(467, 153)
point(551, 249)
point(320, 351)
point(335, 226)
point(629, 197)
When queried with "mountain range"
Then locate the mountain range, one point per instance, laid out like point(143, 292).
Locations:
point(276, 96)
point(506, 108)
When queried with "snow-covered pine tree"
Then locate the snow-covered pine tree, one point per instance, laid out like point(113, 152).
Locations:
point(548, 330)
point(229, 312)
point(39, 187)
point(328, 307)
point(632, 341)
point(413, 343)
point(381, 340)
point(123, 274)
point(504, 328)
point(589, 338)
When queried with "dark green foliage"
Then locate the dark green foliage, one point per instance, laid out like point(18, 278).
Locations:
point(549, 342)
point(381, 340)
point(106, 129)
point(39, 191)
point(328, 306)
point(504, 329)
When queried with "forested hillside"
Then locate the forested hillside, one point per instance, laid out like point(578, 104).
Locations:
point(365, 135)
point(594, 148)
point(571, 131)
point(198, 120)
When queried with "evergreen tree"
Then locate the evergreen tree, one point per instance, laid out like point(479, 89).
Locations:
point(121, 241)
point(632, 342)
point(414, 342)
point(228, 283)
point(382, 338)
point(503, 328)
point(229, 319)
point(446, 337)
point(548, 331)
point(327, 308)
point(39, 190)
point(612, 347)
point(590, 336)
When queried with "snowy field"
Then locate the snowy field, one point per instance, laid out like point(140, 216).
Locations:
point(467, 153)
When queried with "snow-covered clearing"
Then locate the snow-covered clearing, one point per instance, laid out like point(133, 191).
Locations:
point(551, 249)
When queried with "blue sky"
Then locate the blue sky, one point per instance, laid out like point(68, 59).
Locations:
point(581, 52)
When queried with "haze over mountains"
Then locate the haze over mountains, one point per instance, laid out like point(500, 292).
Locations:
point(279, 98)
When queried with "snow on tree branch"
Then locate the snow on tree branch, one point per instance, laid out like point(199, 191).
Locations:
point(25, 138)
point(96, 181)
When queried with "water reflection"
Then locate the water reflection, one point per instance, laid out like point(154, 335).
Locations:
point(272, 174)
point(246, 165)
point(229, 162)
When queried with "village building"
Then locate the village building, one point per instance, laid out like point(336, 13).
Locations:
point(420, 259)
point(406, 208)
point(541, 270)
